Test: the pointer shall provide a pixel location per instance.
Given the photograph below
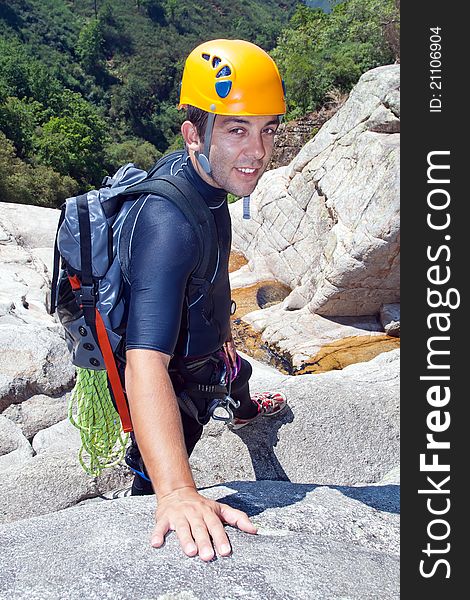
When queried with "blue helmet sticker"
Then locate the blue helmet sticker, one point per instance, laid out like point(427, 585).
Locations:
point(223, 88)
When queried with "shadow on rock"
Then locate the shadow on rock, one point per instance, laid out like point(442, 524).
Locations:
point(255, 499)
point(261, 441)
point(381, 497)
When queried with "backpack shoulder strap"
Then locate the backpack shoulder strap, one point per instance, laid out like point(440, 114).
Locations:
point(195, 209)
point(55, 266)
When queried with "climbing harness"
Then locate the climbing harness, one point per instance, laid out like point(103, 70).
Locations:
point(193, 397)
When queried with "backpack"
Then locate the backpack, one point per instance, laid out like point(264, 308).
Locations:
point(91, 259)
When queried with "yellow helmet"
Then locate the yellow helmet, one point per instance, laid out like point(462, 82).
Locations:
point(232, 77)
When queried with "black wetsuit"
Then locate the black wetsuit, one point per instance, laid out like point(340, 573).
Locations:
point(164, 252)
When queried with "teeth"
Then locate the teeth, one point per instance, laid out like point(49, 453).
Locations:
point(244, 170)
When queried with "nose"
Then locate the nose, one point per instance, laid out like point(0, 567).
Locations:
point(255, 149)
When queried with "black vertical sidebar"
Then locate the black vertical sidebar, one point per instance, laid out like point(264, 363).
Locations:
point(435, 248)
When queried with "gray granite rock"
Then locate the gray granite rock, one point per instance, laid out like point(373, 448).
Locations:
point(36, 413)
point(51, 481)
point(33, 360)
point(60, 436)
point(313, 543)
point(14, 447)
point(25, 262)
point(328, 224)
point(29, 226)
point(390, 319)
point(340, 427)
point(33, 354)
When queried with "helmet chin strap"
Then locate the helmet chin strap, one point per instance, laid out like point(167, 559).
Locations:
point(203, 158)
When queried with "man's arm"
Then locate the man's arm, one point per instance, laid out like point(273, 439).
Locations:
point(159, 433)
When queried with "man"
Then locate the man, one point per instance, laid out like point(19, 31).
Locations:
point(234, 97)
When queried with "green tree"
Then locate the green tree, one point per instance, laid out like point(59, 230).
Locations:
point(21, 183)
point(143, 154)
point(320, 51)
point(71, 147)
point(90, 47)
point(14, 75)
point(19, 120)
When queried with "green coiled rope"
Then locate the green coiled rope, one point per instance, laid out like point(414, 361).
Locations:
point(103, 440)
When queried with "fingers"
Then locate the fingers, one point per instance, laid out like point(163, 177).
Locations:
point(202, 539)
point(183, 532)
point(237, 518)
point(195, 537)
point(219, 537)
point(199, 527)
point(158, 535)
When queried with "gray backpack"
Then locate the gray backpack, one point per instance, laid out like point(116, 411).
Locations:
point(91, 258)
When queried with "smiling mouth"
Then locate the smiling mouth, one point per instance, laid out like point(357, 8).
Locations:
point(246, 170)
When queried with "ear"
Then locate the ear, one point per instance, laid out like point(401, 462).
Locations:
point(191, 136)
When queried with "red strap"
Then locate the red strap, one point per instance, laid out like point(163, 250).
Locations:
point(75, 282)
point(113, 374)
point(110, 364)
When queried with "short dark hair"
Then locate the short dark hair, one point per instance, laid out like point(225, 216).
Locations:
point(198, 118)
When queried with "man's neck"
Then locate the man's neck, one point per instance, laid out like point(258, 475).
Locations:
point(200, 171)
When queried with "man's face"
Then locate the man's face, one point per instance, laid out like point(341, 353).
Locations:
point(240, 151)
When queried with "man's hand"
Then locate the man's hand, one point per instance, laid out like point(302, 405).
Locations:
point(196, 520)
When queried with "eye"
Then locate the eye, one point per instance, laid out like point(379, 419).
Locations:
point(269, 131)
point(237, 131)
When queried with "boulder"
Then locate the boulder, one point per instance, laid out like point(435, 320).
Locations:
point(301, 336)
point(26, 261)
point(51, 481)
point(24, 287)
point(61, 436)
point(390, 319)
point(28, 226)
point(327, 225)
point(33, 360)
point(36, 413)
point(33, 355)
point(313, 543)
point(340, 427)
point(14, 447)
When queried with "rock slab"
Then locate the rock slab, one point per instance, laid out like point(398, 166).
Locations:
point(327, 225)
point(321, 542)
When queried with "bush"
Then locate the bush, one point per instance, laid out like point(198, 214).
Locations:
point(18, 121)
point(24, 184)
point(143, 154)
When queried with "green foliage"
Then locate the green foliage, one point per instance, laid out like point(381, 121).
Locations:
point(84, 90)
point(18, 121)
point(177, 144)
point(143, 154)
point(71, 147)
point(90, 46)
point(24, 184)
point(231, 198)
point(321, 51)
point(73, 143)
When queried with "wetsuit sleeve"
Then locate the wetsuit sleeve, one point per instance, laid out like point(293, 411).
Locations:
point(164, 251)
